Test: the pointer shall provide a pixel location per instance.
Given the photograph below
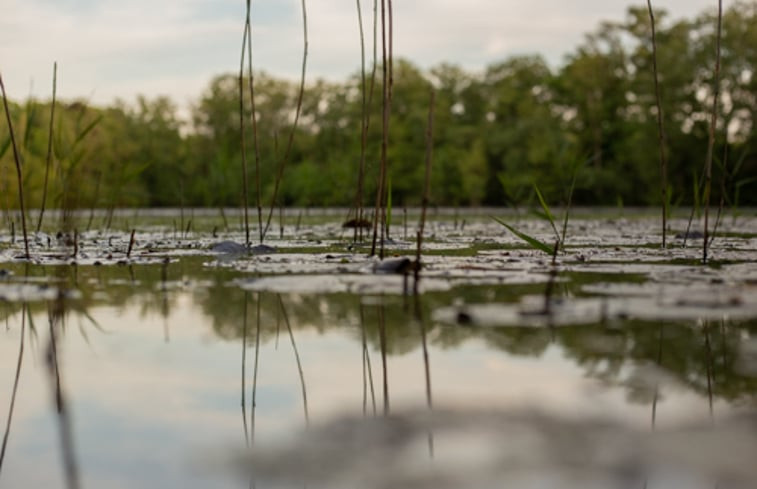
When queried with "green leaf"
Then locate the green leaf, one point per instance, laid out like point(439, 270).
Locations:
point(87, 129)
point(533, 242)
point(547, 212)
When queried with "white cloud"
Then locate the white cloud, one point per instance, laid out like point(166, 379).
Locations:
point(112, 48)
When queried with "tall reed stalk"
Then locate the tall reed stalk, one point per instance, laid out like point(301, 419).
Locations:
point(49, 158)
point(298, 111)
point(19, 176)
point(364, 117)
point(711, 139)
point(379, 213)
point(660, 128)
point(426, 188)
point(253, 107)
point(245, 200)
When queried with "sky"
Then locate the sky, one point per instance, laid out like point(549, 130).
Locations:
point(108, 49)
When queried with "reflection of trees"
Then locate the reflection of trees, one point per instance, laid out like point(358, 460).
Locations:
point(607, 352)
point(690, 353)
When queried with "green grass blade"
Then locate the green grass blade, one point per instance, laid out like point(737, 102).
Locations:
point(87, 129)
point(547, 212)
point(568, 206)
point(31, 119)
point(533, 242)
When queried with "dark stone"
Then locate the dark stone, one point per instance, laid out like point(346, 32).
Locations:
point(262, 249)
point(464, 318)
point(228, 247)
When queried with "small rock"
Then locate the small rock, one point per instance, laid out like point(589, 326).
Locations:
point(464, 318)
point(397, 265)
point(228, 247)
point(262, 249)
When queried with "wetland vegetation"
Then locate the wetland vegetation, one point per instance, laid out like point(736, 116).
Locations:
point(553, 339)
point(496, 132)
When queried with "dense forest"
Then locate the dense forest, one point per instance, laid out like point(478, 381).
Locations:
point(498, 132)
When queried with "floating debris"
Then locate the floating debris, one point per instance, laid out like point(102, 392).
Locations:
point(357, 223)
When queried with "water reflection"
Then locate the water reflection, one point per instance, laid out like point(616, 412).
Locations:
point(15, 386)
point(139, 410)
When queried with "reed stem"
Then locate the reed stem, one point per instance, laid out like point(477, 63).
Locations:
point(298, 111)
point(243, 139)
point(19, 176)
point(49, 148)
point(660, 128)
point(380, 209)
point(363, 131)
point(426, 187)
point(253, 107)
point(711, 139)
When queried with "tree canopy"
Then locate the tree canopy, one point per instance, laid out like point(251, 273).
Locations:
point(517, 123)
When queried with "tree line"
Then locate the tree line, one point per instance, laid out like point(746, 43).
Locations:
point(497, 133)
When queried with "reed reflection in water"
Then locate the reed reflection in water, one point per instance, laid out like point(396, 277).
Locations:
point(143, 412)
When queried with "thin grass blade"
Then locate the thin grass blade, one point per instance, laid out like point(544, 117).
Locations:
point(533, 242)
point(547, 212)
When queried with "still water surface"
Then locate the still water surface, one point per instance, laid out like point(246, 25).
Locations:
point(158, 366)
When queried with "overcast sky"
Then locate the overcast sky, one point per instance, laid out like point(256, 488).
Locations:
point(120, 48)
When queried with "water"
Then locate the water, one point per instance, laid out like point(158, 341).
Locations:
point(639, 367)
